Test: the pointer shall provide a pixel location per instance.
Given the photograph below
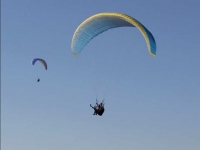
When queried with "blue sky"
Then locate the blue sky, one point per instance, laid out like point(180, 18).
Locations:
point(152, 103)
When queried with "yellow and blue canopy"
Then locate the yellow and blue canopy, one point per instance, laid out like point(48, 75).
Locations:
point(101, 22)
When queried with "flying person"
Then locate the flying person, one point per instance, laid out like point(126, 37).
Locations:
point(38, 80)
point(101, 110)
point(95, 108)
point(98, 108)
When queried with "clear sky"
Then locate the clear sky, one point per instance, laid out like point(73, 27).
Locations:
point(152, 103)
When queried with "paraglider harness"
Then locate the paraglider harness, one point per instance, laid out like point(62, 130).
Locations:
point(99, 108)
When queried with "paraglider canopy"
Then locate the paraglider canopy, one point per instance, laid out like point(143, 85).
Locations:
point(101, 22)
point(42, 61)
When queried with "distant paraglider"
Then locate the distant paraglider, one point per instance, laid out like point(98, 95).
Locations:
point(43, 62)
point(96, 24)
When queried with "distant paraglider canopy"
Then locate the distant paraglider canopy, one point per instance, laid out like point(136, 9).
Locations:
point(101, 22)
point(40, 60)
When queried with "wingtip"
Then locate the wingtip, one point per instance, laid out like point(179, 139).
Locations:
point(75, 54)
point(152, 54)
